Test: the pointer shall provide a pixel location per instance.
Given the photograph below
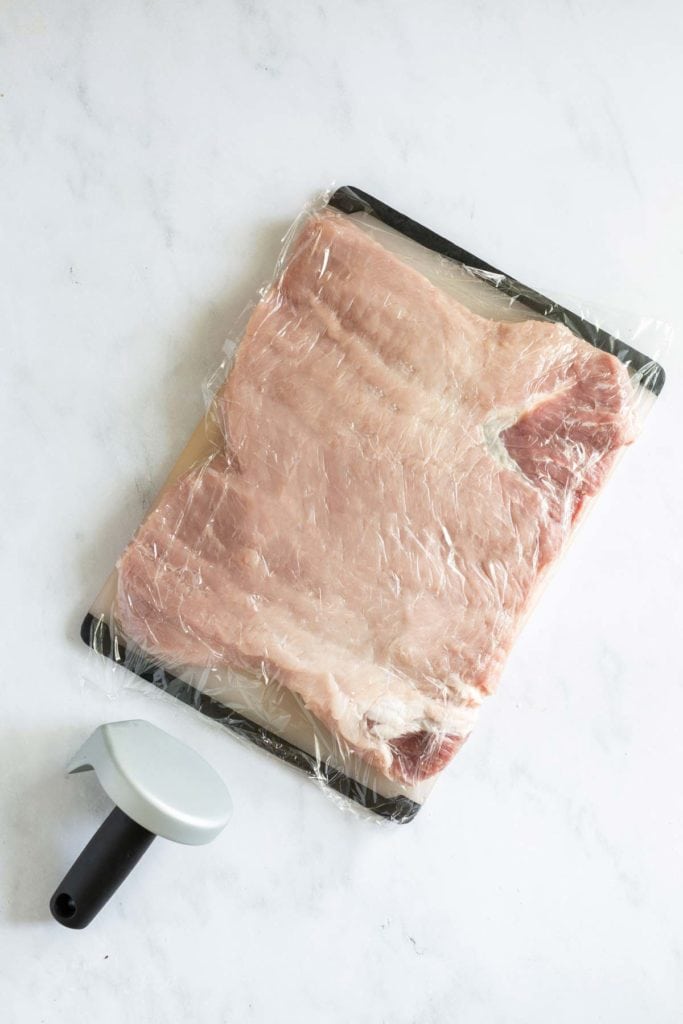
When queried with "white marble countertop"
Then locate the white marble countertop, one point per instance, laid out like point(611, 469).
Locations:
point(151, 155)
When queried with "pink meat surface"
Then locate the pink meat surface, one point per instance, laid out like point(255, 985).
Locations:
point(398, 473)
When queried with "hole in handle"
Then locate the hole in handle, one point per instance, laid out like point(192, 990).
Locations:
point(65, 906)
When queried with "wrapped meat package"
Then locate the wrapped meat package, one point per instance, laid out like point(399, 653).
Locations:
point(402, 445)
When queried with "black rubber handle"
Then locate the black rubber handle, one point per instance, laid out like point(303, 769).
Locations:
point(107, 860)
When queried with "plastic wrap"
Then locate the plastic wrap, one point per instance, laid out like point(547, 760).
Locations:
point(394, 456)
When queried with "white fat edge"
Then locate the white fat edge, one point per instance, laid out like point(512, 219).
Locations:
point(492, 429)
point(506, 417)
point(457, 714)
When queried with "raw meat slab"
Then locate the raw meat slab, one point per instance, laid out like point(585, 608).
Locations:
point(394, 476)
